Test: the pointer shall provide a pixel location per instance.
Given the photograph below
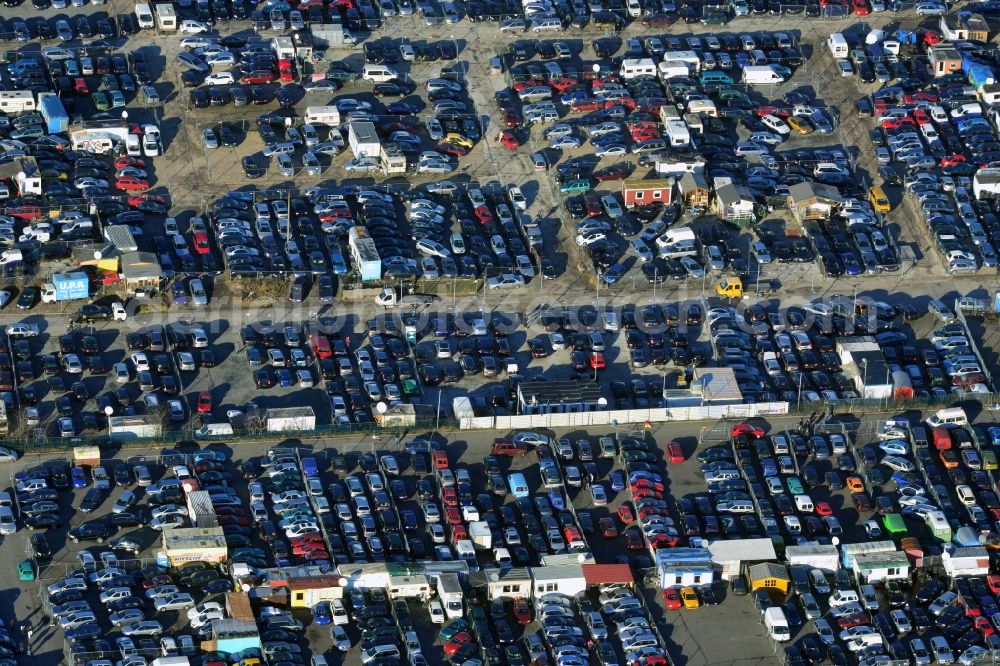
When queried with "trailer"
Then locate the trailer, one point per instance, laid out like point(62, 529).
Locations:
point(481, 535)
point(53, 112)
point(986, 182)
point(193, 544)
point(86, 456)
point(365, 254)
point(290, 419)
point(409, 587)
point(200, 509)
point(166, 18)
point(328, 116)
point(13, 102)
point(824, 558)
point(129, 428)
point(363, 139)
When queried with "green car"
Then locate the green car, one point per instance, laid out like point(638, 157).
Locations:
point(100, 100)
point(794, 485)
point(453, 628)
point(411, 387)
point(26, 570)
point(378, 632)
point(575, 186)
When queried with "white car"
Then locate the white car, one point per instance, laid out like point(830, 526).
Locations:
point(930, 9)
point(192, 27)
point(505, 281)
point(219, 79)
point(140, 361)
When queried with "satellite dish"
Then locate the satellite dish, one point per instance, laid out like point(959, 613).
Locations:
point(835, 541)
point(109, 410)
point(602, 401)
point(381, 408)
point(596, 67)
point(97, 254)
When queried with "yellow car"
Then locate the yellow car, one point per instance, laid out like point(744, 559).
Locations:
point(690, 598)
point(800, 125)
point(458, 140)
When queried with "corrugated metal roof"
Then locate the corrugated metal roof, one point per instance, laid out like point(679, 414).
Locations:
point(557, 573)
point(768, 570)
point(742, 550)
point(602, 574)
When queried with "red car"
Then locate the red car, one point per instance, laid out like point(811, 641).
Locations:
point(458, 533)
point(675, 454)
point(25, 212)
point(453, 149)
point(258, 77)
point(201, 245)
point(511, 118)
point(483, 214)
point(204, 402)
point(597, 360)
point(80, 87)
point(156, 581)
point(861, 7)
point(921, 116)
point(608, 528)
point(449, 496)
point(530, 83)
point(672, 598)
point(131, 184)
point(823, 509)
point(563, 83)
point(456, 642)
point(853, 620)
point(625, 513)
point(508, 139)
point(586, 105)
point(452, 515)
point(952, 160)
point(643, 493)
point(522, 611)
point(127, 160)
point(306, 538)
point(747, 429)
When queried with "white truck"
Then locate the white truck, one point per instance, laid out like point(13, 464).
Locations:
point(449, 589)
point(390, 297)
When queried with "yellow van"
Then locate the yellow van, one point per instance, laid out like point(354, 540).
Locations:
point(880, 202)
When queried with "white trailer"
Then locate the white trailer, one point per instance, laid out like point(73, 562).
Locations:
point(17, 101)
point(328, 116)
point(408, 587)
point(824, 558)
point(127, 428)
point(363, 139)
point(986, 184)
point(290, 419)
point(482, 537)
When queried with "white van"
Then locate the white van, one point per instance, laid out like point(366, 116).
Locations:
point(952, 417)
point(633, 67)
point(379, 74)
point(776, 624)
point(837, 45)
point(804, 503)
point(144, 16)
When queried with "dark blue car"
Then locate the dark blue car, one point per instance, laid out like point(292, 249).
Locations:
point(78, 475)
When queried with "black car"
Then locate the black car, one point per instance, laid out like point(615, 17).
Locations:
point(93, 499)
point(250, 167)
point(95, 530)
point(28, 298)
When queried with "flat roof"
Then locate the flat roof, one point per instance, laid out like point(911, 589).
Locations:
point(543, 393)
point(742, 550)
point(717, 385)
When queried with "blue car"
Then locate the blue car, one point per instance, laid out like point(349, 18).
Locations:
point(617, 479)
point(769, 466)
point(321, 613)
point(557, 500)
point(851, 264)
point(180, 294)
point(285, 378)
point(338, 263)
point(78, 475)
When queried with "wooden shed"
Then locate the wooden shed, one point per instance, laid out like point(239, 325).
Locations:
point(694, 191)
point(769, 576)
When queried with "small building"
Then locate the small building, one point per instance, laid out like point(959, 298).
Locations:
point(686, 575)
point(141, 271)
point(769, 576)
point(849, 551)
point(363, 139)
point(813, 201)
point(716, 386)
point(944, 59)
point(734, 203)
point(864, 364)
point(638, 193)
point(965, 561)
point(512, 583)
point(567, 579)
point(964, 26)
point(694, 191)
point(880, 567)
point(560, 397)
point(121, 238)
point(234, 636)
point(730, 556)
point(24, 172)
point(71, 286)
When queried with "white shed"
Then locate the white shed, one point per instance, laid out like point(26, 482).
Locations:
point(730, 556)
point(686, 574)
point(513, 583)
point(970, 561)
point(567, 579)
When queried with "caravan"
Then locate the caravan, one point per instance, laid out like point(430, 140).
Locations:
point(634, 67)
point(837, 45)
